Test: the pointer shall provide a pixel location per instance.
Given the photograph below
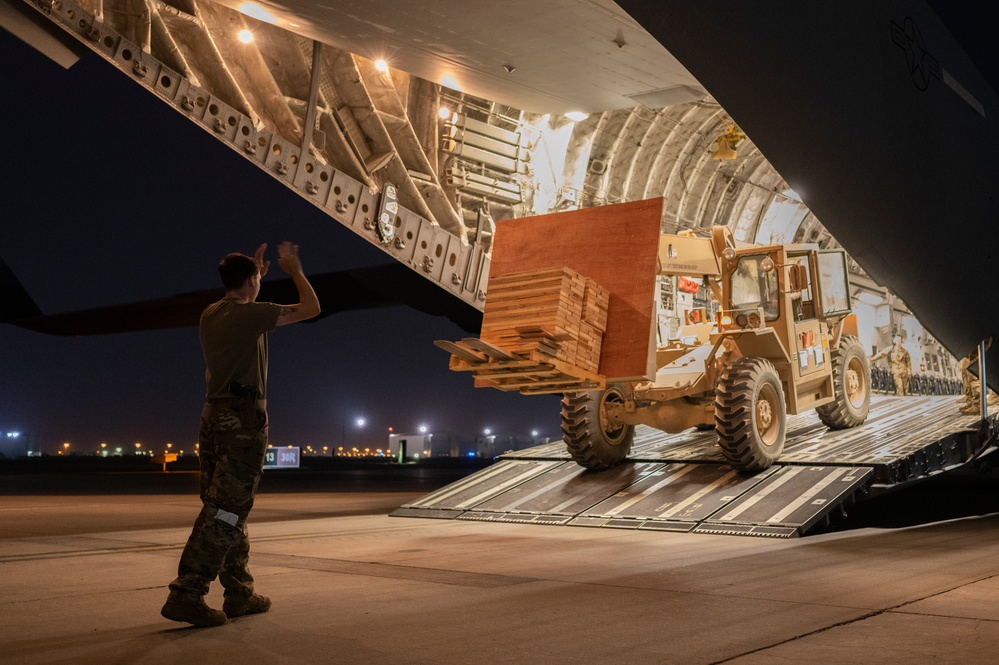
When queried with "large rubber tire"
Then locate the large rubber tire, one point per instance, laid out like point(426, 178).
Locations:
point(851, 374)
point(750, 414)
point(592, 443)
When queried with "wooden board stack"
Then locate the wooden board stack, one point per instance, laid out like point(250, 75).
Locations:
point(541, 332)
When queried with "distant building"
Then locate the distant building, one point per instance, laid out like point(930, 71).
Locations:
point(493, 445)
point(16, 444)
point(443, 443)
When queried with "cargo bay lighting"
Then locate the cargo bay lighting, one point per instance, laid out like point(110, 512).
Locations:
point(253, 10)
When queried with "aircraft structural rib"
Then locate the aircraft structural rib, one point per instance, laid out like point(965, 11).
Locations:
point(260, 110)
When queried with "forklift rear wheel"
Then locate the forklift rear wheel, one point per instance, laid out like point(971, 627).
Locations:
point(591, 440)
point(750, 415)
point(851, 374)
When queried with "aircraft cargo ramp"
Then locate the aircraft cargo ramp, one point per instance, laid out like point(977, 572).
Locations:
point(680, 482)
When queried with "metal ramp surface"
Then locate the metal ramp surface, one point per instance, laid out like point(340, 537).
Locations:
point(679, 482)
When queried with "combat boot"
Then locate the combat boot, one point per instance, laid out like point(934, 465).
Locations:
point(196, 613)
point(237, 607)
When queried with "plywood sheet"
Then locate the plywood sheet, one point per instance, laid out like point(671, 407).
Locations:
point(615, 245)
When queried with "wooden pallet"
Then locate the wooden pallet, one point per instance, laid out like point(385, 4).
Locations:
point(531, 372)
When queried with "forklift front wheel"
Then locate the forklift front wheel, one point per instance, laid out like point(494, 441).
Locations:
point(750, 414)
point(593, 441)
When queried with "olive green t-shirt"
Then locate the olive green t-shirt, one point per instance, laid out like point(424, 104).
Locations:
point(234, 341)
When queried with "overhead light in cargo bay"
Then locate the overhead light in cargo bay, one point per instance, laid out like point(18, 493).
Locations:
point(448, 81)
point(444, 113)
point(381, 65)
point(245, 36)
point(577, 116)
point(253, 10)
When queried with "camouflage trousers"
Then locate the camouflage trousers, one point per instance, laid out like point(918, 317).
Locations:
point(902, 382)
point(232, 441)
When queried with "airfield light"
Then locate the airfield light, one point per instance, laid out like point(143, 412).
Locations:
point(423, 429)
point(381, 65)
point(361, 422)
point(534, 432)
point(487, 431)
point(245, 36)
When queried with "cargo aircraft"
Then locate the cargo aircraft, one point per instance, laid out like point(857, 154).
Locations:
point(871, 122)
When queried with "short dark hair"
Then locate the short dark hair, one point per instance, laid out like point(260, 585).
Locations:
point(235, 269)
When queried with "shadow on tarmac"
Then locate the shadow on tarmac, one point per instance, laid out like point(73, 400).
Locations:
point(968, 491)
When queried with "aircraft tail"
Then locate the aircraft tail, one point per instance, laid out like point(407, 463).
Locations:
point(15, 303)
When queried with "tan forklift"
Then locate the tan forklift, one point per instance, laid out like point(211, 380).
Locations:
point(783, 340)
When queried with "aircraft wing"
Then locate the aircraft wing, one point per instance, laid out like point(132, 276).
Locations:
point(362, 288)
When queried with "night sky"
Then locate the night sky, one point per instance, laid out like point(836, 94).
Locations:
point(110, 196)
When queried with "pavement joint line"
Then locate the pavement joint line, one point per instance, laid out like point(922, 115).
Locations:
point(43, 556)
point(864, 617)
point(394, 571)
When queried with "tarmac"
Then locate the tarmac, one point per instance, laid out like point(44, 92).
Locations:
point(911, 577)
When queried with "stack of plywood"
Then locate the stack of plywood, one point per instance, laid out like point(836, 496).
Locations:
point(541, 332)
point(593, 326)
